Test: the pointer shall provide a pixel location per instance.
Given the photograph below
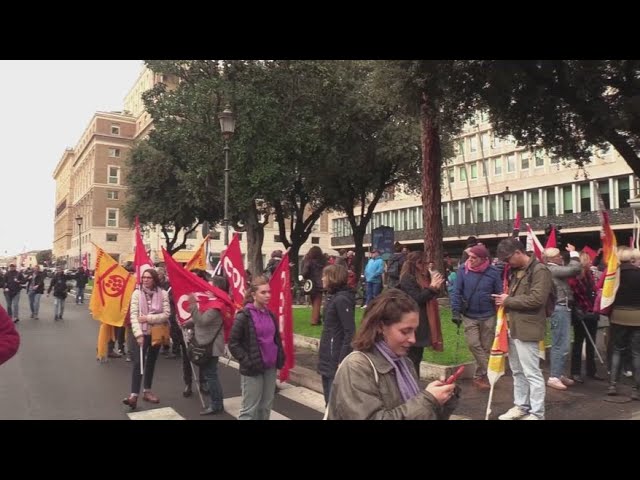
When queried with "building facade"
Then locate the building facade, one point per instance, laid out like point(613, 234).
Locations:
point(91, 185)
point(541, 188)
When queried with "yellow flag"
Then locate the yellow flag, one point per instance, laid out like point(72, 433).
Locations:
point(112, 290)
point(198, 260)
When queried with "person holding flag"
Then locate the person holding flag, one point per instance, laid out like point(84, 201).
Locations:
point(256, 344)
point(530, 284)
point(150, 312)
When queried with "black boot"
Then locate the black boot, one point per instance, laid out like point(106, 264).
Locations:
point(187, 392)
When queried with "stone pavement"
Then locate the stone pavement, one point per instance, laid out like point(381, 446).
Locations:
point(580, 402)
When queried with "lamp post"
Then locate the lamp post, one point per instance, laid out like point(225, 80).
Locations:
point(79, 222)
point(227, 125)
point(506, 197)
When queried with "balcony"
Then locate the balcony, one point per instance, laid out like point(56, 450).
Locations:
point(618, 216)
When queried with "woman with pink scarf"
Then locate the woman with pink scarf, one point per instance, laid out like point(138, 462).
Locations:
point(149, 307)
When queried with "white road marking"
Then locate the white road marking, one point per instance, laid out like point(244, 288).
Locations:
point(232, 407)
point(165, 413)
point(304, 396)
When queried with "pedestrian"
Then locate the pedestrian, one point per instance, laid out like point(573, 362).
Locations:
point(339, 324)
point(417, 282)
point(9, 337)
point(150, 312)
point(312, 264)
point(473, 307)
point(394, 265)
point(530, 285)
point(13, 283)
point(373, 276)
point(35, 289)
point(272, 264)
point(256, 345)
point(377, 381)
point(59, 286)
point(81, 282)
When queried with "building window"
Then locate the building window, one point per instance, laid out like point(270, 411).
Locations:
point(112, 195)
point(445, 214)
point(474, 170)
point(497, 166)
point(585, 197)
point(114, 152)
point(112, 237)
point(511, 163)
point(215, 235)
point(603, 189)
point(115, 130)
point(463, 173)
point(485, 141)
point(479, 208)
point(112, 217)
point(484, 168)
point(192, 235)
point(473, 144)
point(495, 142)
point(467, 212)
point(524, 162)
point(539, 159)
point(114, 175)
point(567, 195)
point(455, 213)
point(551, 201)
point(554, 160)
point(452, 176)
point(276, 238)
point(315, 240)
point(535, 203)
point(623, 192)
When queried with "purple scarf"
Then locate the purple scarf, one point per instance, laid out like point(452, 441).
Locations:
point(406, 382)
point(150, 301)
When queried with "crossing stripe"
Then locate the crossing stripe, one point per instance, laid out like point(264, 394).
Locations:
point(232, 407)
point(165, 413)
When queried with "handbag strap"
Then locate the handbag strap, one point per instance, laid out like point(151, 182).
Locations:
point(375, 375)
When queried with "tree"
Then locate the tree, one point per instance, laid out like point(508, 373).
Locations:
point(43, 257)
point(568, 107)
point(444, 95)
point(157, 195)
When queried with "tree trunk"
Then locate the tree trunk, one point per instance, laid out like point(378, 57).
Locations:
point(431, 172)
point(255, 238)
point(358, 240)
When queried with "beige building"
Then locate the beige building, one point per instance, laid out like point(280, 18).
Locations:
point(91, 191)
point(542, 189)
point(90, 184)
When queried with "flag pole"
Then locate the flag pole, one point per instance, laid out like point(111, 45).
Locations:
point(592, 342)
point(488, 412)
point(193, 369)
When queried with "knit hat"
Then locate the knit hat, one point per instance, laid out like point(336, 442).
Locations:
point(479, 251)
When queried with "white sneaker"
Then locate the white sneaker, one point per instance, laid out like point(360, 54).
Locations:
point(567, 381)
point(627, 373)
point(530, 416)
point(514, 413)
point(556, 383)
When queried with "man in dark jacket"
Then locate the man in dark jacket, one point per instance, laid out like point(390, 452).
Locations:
point(35, 289)
point(13, 283)
point(530, 284)
point(472, 304)
point(81, 282)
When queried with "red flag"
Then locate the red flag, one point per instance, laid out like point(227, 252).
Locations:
point(533, 244)
point(184, 283)
point(141, 260)
point(233, 268)
point(281, 303)
point(551, 241)
point(590, 251)
point(85, 261)
point(516, 223)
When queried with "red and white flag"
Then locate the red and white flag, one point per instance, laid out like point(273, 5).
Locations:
point(184, 283)
point(281, 304)
point(551, 241)
point(141, 260)
point(85, 261)
point(533, 244)
point(231, 261)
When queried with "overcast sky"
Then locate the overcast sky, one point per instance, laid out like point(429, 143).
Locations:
point(44, 108)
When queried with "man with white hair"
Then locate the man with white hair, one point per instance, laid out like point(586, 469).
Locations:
point(560, 319)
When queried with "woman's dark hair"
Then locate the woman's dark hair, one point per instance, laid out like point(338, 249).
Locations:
point(202, 274)
point(386, 309)
point(315, 253)
point(220, 282)
point(415, 265)
point(154, 275)
point(337, 276)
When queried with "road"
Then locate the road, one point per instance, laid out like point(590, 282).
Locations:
point(55, 376)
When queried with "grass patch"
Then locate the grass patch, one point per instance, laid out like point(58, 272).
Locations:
point(450, 356)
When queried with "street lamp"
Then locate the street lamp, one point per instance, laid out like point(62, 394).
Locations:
point(506, 197)
point(227, 125)
point(79, 222)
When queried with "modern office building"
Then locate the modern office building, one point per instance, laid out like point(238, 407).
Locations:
point(491, 179)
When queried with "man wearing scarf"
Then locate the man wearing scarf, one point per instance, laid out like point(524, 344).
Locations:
point(473, 307)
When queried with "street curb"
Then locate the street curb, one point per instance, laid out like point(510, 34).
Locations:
point(428, 371)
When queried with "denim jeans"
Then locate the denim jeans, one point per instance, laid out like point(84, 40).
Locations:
point(560, 321)
point(257, 395)
point(7, 299)
point(34, 302)
point(13, 305)
point(528, 382)
point(373, 290)
point(79, 295)
point(59, 306)
point(150, 356)
point(625, 338)
point(210, 372)
point(327, 382)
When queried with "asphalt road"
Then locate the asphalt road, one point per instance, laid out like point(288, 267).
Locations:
point(55, 376)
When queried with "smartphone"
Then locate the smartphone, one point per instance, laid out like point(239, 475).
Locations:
point(455, 376)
